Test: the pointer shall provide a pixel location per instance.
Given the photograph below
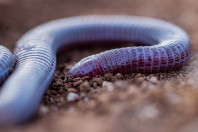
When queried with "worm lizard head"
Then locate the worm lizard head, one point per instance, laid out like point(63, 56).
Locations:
point(85, 67)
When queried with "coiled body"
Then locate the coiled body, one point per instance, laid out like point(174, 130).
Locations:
point(6, 63)
point(168, 48)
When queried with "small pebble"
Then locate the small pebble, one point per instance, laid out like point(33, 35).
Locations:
point(43, 110)
point(84, 86)
point(77, 83)
point(108, 76)
point(76, 79)
point(72, 97)
point(108, 85)
point(119, 76)
point(98, 81)
point(153, 79)
point(95, 85)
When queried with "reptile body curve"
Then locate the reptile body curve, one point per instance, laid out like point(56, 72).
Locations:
point(167, 48)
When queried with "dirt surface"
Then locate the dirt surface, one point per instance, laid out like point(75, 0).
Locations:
point(162, 102)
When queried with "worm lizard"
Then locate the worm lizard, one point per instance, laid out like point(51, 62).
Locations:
point(167, 48)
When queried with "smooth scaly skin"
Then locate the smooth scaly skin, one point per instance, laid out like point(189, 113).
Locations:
point(6, 63)
point(168, 48)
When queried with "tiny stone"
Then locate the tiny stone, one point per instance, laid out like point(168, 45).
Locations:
point(72, 97)
point(51, 100)
point(84, 86)
point(77, 83)
point(98, 81)
point(108, 85)
point(119, 76)
point(43, 110)
point(108, 76)
point(94, 84)
point(76, 79)
point(138, 75)
point(153, 79)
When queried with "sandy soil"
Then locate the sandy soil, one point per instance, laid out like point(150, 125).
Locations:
point(131, 103)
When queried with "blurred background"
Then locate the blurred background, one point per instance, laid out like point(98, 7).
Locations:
point(166, 107)
point(18, 16)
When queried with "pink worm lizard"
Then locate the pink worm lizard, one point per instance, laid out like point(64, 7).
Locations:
point(168, 48)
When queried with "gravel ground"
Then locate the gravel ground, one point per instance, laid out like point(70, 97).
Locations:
point(131, 103)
